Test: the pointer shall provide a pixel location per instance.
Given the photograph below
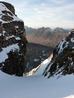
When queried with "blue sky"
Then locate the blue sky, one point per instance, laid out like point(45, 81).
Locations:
point(48, 13)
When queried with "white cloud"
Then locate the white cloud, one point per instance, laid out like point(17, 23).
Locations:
point(71, 96)
point(54, 13)
point(48, 16)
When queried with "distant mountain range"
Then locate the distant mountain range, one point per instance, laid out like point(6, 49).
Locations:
point(45, 31)
point(46, 35)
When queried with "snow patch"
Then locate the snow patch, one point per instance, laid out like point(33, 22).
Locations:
point(72, 40)
point(6, 50)
point(9, 37)
point(0, 34)
point(35, 60)
point(2, 8)
point(61, 47)
point(17, 38)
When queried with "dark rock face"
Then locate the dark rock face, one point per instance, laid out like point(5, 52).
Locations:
point(12, 41)
point(63, 58)
point(9, 6)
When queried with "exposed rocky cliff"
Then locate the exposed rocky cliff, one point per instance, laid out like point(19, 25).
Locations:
point(12, 41)
point(63, 58)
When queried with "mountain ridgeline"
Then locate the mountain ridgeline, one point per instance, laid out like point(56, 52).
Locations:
point(46, 35)
point(45, 31)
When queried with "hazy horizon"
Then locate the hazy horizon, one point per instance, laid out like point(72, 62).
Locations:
point(45, 13)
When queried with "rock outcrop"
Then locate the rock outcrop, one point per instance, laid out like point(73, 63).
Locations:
point(63, 58)
point(12, 41)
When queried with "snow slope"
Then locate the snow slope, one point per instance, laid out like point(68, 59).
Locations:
point(40, 69)
point(36, 86)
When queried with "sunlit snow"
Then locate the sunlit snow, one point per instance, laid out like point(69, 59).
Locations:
point(6, 50)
